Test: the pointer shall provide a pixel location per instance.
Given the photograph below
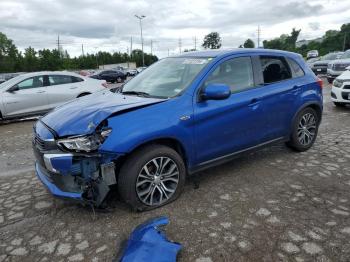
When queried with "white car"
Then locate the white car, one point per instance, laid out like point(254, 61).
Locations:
point(37, 93)
point(312, 53)
point(341, 89)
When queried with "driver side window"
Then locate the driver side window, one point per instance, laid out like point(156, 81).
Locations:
point(237, 73)
point(33, 82)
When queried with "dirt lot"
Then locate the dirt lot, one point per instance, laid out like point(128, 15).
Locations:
point(273, 205)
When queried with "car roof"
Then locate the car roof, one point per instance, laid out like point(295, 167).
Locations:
point(226, 52)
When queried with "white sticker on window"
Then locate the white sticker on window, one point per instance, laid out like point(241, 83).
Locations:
point(194, 61)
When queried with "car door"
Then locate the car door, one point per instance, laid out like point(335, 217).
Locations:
point(62, 88)
point(226, 126)
point(278, 94)
point(26, 97)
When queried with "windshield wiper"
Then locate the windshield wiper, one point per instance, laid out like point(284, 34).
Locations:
point(138, 93)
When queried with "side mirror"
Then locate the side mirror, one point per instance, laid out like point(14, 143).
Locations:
point(215, 92)
point(13, 89)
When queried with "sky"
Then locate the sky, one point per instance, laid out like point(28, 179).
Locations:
point(169, 24)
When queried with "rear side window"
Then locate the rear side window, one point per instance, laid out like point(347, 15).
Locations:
point(274, 69)
point(76, 79)
point(237, 73)
point(59, 79)
point(295, 67)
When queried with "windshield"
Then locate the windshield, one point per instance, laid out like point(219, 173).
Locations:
point(166, 78)
point(330, 56)
point(346, 55)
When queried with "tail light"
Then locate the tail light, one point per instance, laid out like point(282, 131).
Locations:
point(320, 82)
point(104, 84)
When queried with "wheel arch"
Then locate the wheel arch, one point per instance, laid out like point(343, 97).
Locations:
point(165, 141)
point(314, 105)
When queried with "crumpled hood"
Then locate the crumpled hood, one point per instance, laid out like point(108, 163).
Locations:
point(83, 115)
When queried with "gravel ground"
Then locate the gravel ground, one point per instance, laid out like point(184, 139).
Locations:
point(273, 205)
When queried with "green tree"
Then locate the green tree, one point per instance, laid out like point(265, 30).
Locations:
point(212, 41)
point(284, 42)
point(249, 43)
point(30, 60)
point(9, 55)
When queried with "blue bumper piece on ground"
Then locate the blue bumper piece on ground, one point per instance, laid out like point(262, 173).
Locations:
point(53, 188)
point(148, 243)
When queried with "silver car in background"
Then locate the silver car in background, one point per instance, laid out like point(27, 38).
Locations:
point(37, 93)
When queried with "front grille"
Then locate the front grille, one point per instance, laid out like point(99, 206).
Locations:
point(345, 95)
point(40, 144)
point(321, 65)
point(333, 95)
point(346, 87)
point(340, 67)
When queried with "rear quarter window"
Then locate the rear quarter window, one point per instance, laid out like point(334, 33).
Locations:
point(274, 69)
point(297, 71)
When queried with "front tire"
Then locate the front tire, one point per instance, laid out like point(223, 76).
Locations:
point(330, 80)
point(152, 177)
point(305, 129)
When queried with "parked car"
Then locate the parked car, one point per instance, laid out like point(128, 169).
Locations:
point(37, 93)
point(337, 67)
point(140, 69)
point(340, 94)
point(131, 72)
point(111, 76)
point(312, 53)
point(159, 129)
point(320, 67)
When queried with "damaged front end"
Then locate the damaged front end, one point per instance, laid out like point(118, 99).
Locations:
point(73, 167)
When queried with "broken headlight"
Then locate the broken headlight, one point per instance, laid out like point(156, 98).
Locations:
point(86, 143)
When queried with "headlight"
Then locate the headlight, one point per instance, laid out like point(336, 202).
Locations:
point(337, 83)
point(85, 143)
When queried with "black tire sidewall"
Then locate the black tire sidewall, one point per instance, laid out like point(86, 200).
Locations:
point(294, 137)
point(129, 172)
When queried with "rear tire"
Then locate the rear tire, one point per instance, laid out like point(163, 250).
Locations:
point(330, 80)
point(305, 129)
point(145, 185)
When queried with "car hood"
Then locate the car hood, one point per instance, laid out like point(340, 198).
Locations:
point(341, 61)
point(344, 76)
point(322, 62)
point(82, 116)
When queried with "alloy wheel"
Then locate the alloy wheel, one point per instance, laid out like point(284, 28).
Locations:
point(307, 129)
point(157, 181)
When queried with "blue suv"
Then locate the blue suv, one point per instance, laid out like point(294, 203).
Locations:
point(181, 115)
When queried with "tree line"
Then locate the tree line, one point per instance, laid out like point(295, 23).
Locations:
point(332, 40)
point(12, 60)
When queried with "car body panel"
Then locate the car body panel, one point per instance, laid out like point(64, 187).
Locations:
point(83, 115)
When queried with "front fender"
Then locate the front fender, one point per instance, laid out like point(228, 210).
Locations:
point(163, 120)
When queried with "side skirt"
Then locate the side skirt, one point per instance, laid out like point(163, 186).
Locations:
point(226, 158)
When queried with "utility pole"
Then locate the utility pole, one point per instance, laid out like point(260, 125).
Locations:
point(151, 47)
point(195, 43)
point(130, 46)
point(259, 31)
point(344, 42)
point(82, 49)
point(140, 19)
point(180, 44)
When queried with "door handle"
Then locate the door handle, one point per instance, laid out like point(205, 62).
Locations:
point(40, 92)
point(73, 87)
point(255, 101)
